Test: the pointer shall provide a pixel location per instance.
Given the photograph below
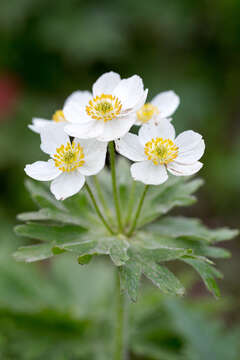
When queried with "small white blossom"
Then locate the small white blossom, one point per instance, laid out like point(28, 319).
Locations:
point(162, 106)
point(69, 162)
point(58, 117)
point(156, 150)
point(109, 112)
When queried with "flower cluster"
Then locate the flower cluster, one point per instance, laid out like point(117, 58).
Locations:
point(76, 138)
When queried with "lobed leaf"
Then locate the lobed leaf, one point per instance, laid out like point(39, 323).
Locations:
point(175, 192)
point(130, 275)
point(118, 250)
point(33, 253)
point(163, 278)
point(42, 196)
point(189, 227)
point(53, 215)
point(58, 234)
point(207, 273)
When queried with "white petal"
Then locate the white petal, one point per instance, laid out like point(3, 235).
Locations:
point(90, 129)
point(67, 184)
point(148, 173)
point(52, 137)
point(141, 101)
point(42, 170)
point(116, 128)
point(130, 92)
point(75, 107)
point(167, 103)
point(184, 170)
point(94, 156)
point(38, 124)
point(130, 147)
point(187, 140)
point(191, 155)
point(106, 83)
point(79, 97)
point(163, 129)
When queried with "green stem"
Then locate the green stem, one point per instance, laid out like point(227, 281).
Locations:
point(120, 325)
point(134, 224)
point(114, 185)
point(101, 197)
point(130, 203)
point(98, 211)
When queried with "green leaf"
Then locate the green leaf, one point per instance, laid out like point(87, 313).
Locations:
point(33, 253)
point(81, 249)
point(42, 196)
point(53, 215)
point(163, 278)
point(163, 254)
point(216, 252)
point(59, 234)
point(189, 227)
point(118, 250)
point(83, 260)
point(154, 241)
point(130, 275)
point(207, 273)
point(175, 192)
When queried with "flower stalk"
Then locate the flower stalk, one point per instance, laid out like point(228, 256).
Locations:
point(120, 343)
point(102, 199)
point(98, 211)
point(138, 211)
point(131, 203)
point(114, 186)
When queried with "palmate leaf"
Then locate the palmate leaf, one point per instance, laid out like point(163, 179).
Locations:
point(34, 253)
point(191, 228)
point(76, 210)
point(52, 215)
point(175, 192)
point(130, 275)
point(72, 226)
point(207, 272)
point(59, 234)
point(146, 262)
point(200, 248)
point(42, 196)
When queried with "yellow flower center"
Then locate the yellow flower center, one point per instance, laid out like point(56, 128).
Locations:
point(161, 151)
point(104, 107)
point(147, 112)
point(70, 157)
point(58, 116)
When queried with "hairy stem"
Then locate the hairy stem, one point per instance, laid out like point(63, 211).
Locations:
point(101, 198)
point(114, 186)
point(120, 350)
point(98, 211)
point(130, 203)
point(134, 223)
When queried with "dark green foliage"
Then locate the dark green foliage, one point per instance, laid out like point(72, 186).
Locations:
point(71, 226)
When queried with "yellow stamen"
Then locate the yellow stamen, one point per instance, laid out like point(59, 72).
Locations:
point(70, 157)
point(58, 116)
point(104, 107)
point(161, 151)
point(147, 112)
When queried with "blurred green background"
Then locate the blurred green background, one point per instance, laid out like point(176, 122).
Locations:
point(49, 49)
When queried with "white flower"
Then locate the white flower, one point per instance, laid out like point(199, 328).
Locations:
point(162, 106)
point(69, 162)
point(156, 150)
point(57, 118)
point(109, 112)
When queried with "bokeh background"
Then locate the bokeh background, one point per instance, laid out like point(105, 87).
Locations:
point(49, 49)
